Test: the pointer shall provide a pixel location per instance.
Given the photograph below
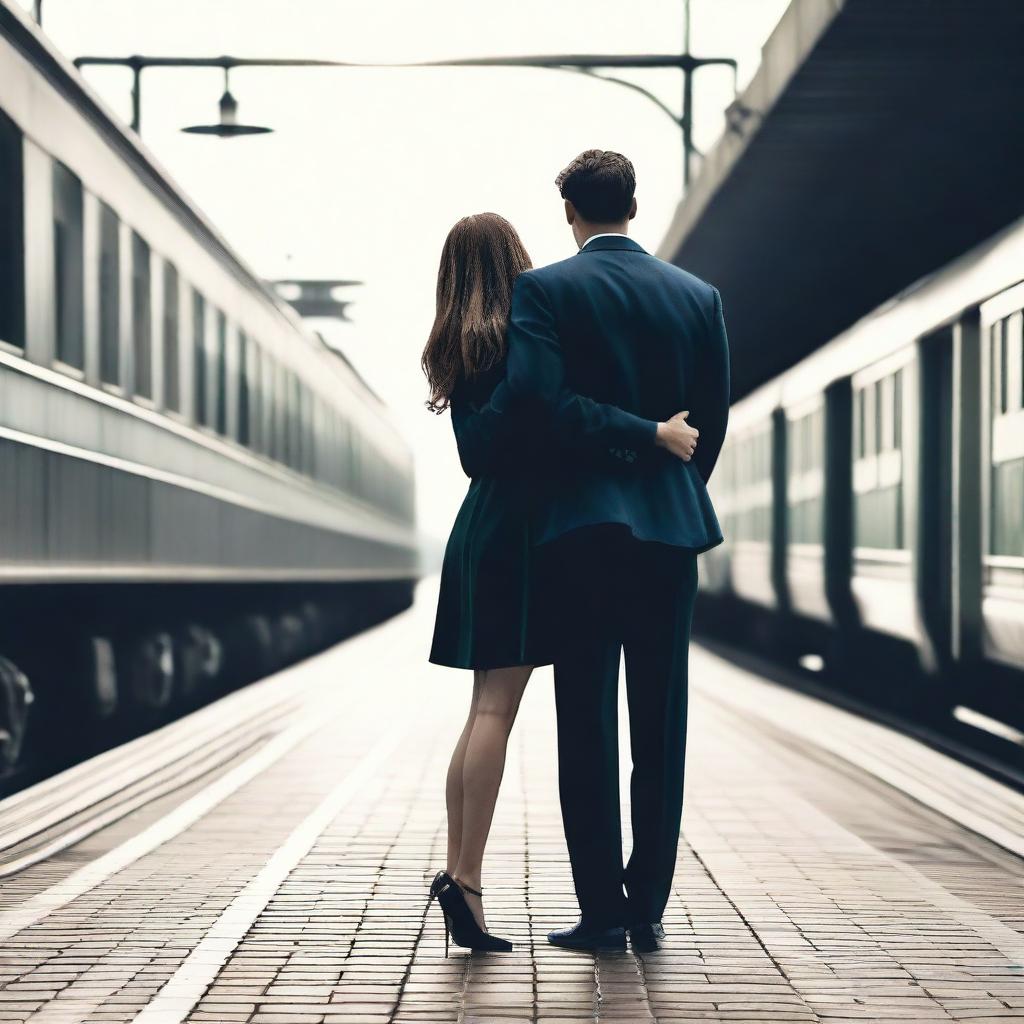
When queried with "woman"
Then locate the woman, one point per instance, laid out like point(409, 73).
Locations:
point(486, 619)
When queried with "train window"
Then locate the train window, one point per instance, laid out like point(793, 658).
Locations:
point(321, 438)
point(804, 478)
point(254, 364)
point(243, 388)
point(295, 422)
point(878, 467)
point(142, 332)
point(1013, 375)
point(281, 412)
point(68, 252)
point(722, 487)
point(1006, 524)
point(110, 296)
point(339, 448)
point(871, 405)
point(202, 412)
point(268, 379)
point(897, 409)
point(269, 406)
point(884, 406)
point(12, 235)
point(172, 360)
point(281, 398)
point(355, 454)
point(996, 374)
point(315, 440)
point(326, 446)
point(308, 433)
point(858, 427)
point(220, 394)
point(292, 400)
point(999, 395)
point(753, 487)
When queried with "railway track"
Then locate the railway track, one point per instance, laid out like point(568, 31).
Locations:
point(59, 812)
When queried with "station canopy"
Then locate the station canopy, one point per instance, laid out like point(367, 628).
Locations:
point(879, 140)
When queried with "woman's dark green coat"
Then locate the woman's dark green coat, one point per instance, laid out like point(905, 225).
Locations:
point(490, 608)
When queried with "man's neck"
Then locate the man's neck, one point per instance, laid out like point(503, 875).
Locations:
point(593, 230)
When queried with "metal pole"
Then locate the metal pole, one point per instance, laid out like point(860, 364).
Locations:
point(687, 125)
point(137, 99)
point(686, 121)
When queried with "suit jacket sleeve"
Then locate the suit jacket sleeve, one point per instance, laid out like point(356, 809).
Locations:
point(709, 405)
point(479, 440)
point(535, 377)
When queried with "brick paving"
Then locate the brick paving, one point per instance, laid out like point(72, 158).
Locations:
point(806, 889)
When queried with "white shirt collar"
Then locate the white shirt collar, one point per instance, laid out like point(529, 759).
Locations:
point(604, 234)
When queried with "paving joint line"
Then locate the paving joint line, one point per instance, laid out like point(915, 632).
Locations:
point(406, 974)
point(750, 928)
point(641, 971)
point(526, 875)
point(466, 972)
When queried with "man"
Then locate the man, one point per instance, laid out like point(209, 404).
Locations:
point(611, 343)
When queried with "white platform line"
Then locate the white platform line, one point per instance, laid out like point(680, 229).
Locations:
point(175, 1001)
point(186, 814)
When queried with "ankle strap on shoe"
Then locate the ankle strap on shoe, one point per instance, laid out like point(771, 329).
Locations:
point(468, 888)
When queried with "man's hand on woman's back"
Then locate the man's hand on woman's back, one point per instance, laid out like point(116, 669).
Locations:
point(677, 436)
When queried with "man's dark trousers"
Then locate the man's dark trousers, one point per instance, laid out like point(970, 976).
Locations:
point(617, 594)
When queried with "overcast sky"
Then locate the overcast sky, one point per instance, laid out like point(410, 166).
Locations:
point(367, 169)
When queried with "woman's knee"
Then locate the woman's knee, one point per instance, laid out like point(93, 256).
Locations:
point(500, 693)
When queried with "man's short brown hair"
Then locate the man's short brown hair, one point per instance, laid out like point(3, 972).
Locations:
point(600, 184)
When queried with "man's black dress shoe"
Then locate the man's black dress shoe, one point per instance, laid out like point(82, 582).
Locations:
point(647, 938)
point(584, 936)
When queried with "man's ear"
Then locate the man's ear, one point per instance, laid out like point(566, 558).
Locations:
point(632, 209)
point(570, 213)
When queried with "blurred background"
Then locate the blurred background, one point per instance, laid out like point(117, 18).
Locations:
point(366, 170)
point(216, 278)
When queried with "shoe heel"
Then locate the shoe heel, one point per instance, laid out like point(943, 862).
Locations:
point(444, 918)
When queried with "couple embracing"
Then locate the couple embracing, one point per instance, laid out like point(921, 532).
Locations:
point(589, 401)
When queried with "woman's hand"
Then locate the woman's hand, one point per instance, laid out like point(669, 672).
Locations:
point(677, 436)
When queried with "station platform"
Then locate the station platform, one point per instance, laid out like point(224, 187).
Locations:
point(267, 858)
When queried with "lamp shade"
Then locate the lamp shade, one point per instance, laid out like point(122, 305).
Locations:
point(228, 126)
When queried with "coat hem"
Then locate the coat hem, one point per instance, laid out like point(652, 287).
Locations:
point(488, 666)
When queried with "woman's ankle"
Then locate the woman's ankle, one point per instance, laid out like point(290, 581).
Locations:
point(467, 879)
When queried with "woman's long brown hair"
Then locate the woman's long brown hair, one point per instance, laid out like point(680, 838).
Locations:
point(481, 259)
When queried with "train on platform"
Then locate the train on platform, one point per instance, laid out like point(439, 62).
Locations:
point(872, 499)
point(194, 489)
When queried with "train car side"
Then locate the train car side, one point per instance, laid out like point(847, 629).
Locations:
point(196, 490)
point(874, 496)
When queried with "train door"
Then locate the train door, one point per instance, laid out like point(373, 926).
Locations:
point(993, 604)
point(838, 502)
point(779, 511)
point(12, 236)
point(934, 513)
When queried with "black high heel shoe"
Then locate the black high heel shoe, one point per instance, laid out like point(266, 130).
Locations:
point(459, 922)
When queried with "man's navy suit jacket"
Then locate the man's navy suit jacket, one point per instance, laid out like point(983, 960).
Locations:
point(605, 345)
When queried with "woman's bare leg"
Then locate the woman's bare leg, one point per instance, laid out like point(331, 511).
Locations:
point(453, 785)
point(499, 692)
